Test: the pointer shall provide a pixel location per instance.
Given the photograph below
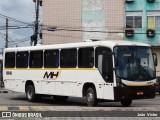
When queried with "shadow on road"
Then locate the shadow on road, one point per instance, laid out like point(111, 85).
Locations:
point(74, 101)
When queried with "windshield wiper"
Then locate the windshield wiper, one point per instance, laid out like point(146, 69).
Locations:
point(143, 71)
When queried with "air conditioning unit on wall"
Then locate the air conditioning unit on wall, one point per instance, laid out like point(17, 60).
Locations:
point(129, 33)
point(40, 2)
point(150, 33)
point(129, 1)
point(150, 1)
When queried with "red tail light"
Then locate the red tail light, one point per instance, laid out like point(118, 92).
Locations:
point(157, 83)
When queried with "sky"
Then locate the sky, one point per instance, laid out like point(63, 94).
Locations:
point(22, 10)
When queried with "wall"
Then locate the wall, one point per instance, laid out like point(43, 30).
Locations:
point(140, 33)
point(66, 16)
point(78, 20)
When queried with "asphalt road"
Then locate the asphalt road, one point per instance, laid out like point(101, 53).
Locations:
point(18, 102)
point(19, 99)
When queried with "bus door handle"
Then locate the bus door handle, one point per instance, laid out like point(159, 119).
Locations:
point(100, 85)
point(79, 84)
point(48, 82)
point(108, 84)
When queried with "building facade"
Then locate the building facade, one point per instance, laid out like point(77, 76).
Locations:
point(143, 23)
point(66, 21)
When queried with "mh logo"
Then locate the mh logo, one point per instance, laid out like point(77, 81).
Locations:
point(51, 75)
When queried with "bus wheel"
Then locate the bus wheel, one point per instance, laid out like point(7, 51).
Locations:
point(126, 103)
point(91, 97)
point(60, 98)
point(30, 93)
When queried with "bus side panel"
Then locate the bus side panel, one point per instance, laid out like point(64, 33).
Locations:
point(9, 84)
point(104, 89)
point(48, 87)
point(20, 85)
point(99, 90)
point(108, 91)
point(37, 85)
point(73, 88)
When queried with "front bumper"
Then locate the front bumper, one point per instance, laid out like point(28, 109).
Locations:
point(132, 93)
point(157, 88)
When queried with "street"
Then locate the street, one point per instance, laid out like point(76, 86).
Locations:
point(16, 102)
point(74, 104)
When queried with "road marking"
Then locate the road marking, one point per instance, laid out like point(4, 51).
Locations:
point(13, 108)
point(3, 108)
point(37, 108)
point(24, 108)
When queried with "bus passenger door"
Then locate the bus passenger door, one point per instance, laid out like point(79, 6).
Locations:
point(104, 63)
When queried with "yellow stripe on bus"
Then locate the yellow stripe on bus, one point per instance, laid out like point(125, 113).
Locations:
point(134, 85)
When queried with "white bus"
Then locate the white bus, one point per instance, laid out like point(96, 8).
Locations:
point(102, 70)
point(1, 71)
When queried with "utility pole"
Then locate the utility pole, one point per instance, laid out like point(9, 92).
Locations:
point(6, 33)
point(36, 24)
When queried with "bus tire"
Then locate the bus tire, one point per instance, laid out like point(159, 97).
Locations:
point(91, 97)
point(60, 98)
point(30, 93)
point(126, 103)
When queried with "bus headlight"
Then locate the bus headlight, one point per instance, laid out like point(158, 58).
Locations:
point(119, 83)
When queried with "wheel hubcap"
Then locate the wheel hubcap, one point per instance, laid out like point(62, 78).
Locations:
point(90, 97)
point(29, 94)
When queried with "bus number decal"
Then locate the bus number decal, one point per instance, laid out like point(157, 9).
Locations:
point(51, 75)
point(8, 72)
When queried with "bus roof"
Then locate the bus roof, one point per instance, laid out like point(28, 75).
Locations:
point(107, 43)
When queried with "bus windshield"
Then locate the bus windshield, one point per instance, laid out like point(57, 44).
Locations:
point(134, 63)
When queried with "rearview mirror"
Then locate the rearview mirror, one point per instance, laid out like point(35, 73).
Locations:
point(155, 59)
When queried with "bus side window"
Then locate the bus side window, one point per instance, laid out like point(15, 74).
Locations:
point(104, 63)
point(86, 57)
point(22, 59)
point(10, 60)
point(36, 59)
point(68, 58)
point(51, 59)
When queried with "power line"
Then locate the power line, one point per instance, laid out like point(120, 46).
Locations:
point(13, 19)
point(17, 27)
point(2, 34)
point(22, 41)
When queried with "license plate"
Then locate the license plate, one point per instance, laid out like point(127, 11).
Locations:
point(139, 93)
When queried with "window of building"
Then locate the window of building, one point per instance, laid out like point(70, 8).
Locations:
point(153, 22)
point(22, 59)
point(36, 59)
point(68, 58)
point(134, 19)
point(153, 19)
point(104, 63)
point(86, 57)
point(157, 19)
point(10, 60)
point(51, 59)
point(129, 21)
